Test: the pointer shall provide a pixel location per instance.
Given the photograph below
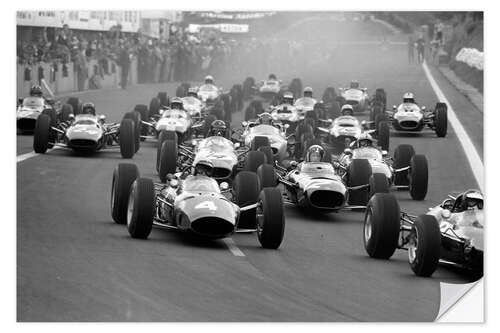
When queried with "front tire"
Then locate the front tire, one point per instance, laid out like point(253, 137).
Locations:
point(141, 207)
point(424, 252)
point(123, 177)
point(419, 177)
point(41, 135)
point(246, 192)
point(253, 160)
point(359, 172)
point(402, 158)
point(270, 218)
point(441, 120)
point(127, 138)
point(168, 159)
point(381, 226)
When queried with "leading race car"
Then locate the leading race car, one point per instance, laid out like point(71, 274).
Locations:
point(406, 170)
point(265, 131)
point(451, 232)
point(410, 117)
point(29, 108)
point(85, 132)
point(193, 105)
point(197, 203)
point(315, 185)
point(306, 103)
point(355, 96)
point(271, 88)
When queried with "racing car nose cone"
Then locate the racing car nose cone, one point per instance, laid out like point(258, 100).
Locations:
point(212, 227)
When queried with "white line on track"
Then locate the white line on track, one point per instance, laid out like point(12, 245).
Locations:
point(23, 157)
point(233, 248)
point(473, 158)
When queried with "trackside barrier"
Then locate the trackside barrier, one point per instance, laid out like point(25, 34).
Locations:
point(62, 78)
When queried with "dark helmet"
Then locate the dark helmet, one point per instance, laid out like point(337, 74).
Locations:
point(218, 128)
point(88, 108)
point(192, 92)
point(209, 79)
point(347, 110)
point(288, 98)
point(308, 92)
point(315, 153)
point(36, 91)
point(272, 77)
point(354, 84)
point(176, 103)
point(203, 168)
point(266, 118)
point(471, 199)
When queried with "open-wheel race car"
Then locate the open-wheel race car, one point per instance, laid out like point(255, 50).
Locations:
point(85, 132)
point(196, 203)
point(411, 117)
point(265, 131)
point(355, 96)
point(450, 233)
point(406, 170)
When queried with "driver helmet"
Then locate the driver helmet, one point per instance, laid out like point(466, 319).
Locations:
point(36, 91)
point(308, 92)
point(192, 92)
point(364, 140)
point(472, 199)
point(354, 84)
point(209, 79)
point(266, 119)
point(347, 110)
point(272, 77)
point(88, 108)
point(408, 98)
point(315, 153)
point(176, 103)
point(288, 98)
point(218, 128)
point(203, 168)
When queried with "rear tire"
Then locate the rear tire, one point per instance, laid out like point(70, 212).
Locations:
point(168, 159)
point(381, 226)
point(141, 208)
point(383, 133)
point(267, 176)
point(359, 172)
point(66, 110)
point(164, 135)
point(127, 138)
point(419, 177)
point(441, 119)
point(123, 177)
point(41, 135)
point(246, 192)
point(259, 141)
point(402, 158)
point(423, 256)
point(268, 151)
point(378, 184)
point(271, 219)
point(209, 119)
point(154, 106)
point(136, 117)
point(253, 160)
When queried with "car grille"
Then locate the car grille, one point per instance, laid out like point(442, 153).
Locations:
point(408, 123)
point(212, 227)
point(326, 199)
point(352, 102)
point(83, 143)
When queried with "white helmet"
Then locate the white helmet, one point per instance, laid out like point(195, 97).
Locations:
point(364, 140)
point(408, 98)
point(209, 79)
point(308, 92)
point(347, 110)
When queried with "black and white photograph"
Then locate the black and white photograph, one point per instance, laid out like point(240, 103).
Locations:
point(248, 165)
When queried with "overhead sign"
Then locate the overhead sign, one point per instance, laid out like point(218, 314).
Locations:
point(222, 27)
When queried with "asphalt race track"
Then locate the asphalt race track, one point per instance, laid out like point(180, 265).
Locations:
point(75, 264)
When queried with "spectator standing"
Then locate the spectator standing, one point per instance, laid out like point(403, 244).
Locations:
point(81, 68)
point(157, 62)
point(124, 63)
point(420, 49)
point(411, 49)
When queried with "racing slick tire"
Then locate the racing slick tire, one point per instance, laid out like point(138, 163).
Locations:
point(300, 130)
point(42, 133)
point(250, 113)
point(248, 86)
point(143, 111)
point(268, 152)
point(123, 177)
point(127, 138)
point(164, 135)
point(259, 141)
point(383, 133)
point(246, 190)
point(378, 184)
point(163, 98)
point(296, 88)
point(402, 157)
point(52, 116)
point(253, 160)
point(424, 253)
point(209, 119)
point(380, 98)
point(375, 111)
point(359, 173)
point(141, 206)
point(257, 106)
point(380, 118)
point(66, 110)
point(381, 226)
point(267, 176)
point(76, 103)
point(419, 177)
point(334, 110)
point(312, 117)
point(441, 119)
point(329, 95)
point(270, 218)
point(168, 159)
point(154, 106)
point(136, 118)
